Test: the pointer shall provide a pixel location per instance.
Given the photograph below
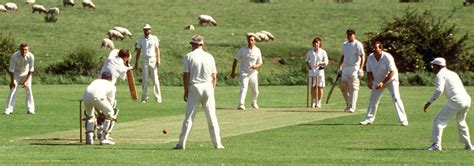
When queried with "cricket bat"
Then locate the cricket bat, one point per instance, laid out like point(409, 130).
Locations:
point(332, 88)
point(131, 85)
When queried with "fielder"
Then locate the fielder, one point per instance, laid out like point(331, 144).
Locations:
point(148, 46)
point(316, 59)
point(382, 73)
point(458, 103)
point(20, 70)
point(100, 94)
point(250, 59)
point(351, 68)
point(199, 80)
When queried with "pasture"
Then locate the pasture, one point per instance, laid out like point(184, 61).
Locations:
point(282, 132)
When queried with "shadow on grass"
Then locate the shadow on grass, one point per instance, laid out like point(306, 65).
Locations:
point(388, 149)
point(356, 124)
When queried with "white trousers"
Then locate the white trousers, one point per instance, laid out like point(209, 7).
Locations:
point(375, 94)
point(90, 104)
point(459, 109)
point(350, 90)
point(11, 98)
point(201, 94)
point(150, 69)
point(246, 80)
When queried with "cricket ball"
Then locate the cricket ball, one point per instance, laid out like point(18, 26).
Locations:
point(165, 131)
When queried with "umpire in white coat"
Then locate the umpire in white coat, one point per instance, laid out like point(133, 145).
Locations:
point(199, 80)
point(382, 73)
point(458, 103)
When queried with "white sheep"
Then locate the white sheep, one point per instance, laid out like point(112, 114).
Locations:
point(3, 8)
point(270, 36)
point(38, 8)
point(54, 11)
point(262, 36)
point(206, 19)
point(68, 3)
point(30, 1)
point(107, 43)
point(115, 34)
point(189, 27)
point(88, 3)
point(11, 6)
point(257, 38)
point(123, 31)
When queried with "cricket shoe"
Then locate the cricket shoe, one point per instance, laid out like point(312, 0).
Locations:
point(178, 147)
point(254, 105)
point(29, 112)
point(8, 112)
point(468, 147)
point(241, 107)
point(365, 122)
point(107, 142)
point(434, 147)
point(404, 123)
point(350, 110)
point(220, 147)
point(313, 105)
point(319, 104)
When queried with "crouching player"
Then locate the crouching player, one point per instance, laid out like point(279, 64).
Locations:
point(100, 94)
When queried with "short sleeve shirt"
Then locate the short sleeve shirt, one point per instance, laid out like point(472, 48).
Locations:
point(449, 82)
point(352, 52)
point(20, 65)
point(115, 65)
point(248, 57)
point(102, 89)
point(382, 67)
point(200, 65)
point(148, 45)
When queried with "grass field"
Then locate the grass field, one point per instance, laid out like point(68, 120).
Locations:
point(283, 132)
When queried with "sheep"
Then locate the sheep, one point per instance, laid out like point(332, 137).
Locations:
point(107, 43)
point(38, 8)
point(68, 3)
point(54, 11)
point(262, 36)
point(3, 8)
point(189, 27)
point(257, 38)
point(123, 31)
point(11, 6)
point(270, 36)
point(206, 19)
point(88, 3)
point(115, 34)
point(30, 1)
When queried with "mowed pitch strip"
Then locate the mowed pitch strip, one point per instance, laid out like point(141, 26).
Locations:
point(232, 123)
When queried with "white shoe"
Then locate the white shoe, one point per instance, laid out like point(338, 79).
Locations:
point(468, 147)
point(220, 147)
point(365, 122)
point(241, 107)
point(8, 112)
point(434, 147)
point(319, 104)
point(404, 123)
point(143, 101)
point(32, 113)
point(158, 100)
point(254, 105)
point(107, 142)
point(313, 105)
point(178, 147)
point(350, 110)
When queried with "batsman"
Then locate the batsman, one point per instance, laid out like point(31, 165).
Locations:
point(100, 95)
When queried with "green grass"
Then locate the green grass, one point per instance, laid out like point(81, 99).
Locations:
point(334, 141)
point(293, 23)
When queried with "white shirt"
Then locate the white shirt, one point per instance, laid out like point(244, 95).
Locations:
point(148, 46)
point(20, 65)
point(315, 59)
point(115, 65)
point(380, 68)
point(200, 65)
point(352, 52)
point(101, 89)
point(248, 57)
point(449, 81)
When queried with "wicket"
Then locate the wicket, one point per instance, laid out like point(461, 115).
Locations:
point(80, 120)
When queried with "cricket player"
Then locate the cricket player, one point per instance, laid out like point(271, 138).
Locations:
point(117, 64)
point(382, 73)
point(250, 59)
point(351, 68)
point(458, 103)
point(199, 80)
point(148, 46)
point(100, 94)
point(21, 72)
point(316, 59)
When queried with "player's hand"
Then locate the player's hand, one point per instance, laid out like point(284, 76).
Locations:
point(369, 84)
point(12, 84)
point(130, 67)
point(158, 64)
point(380, 85)
point(427, 105)
point(360, 73)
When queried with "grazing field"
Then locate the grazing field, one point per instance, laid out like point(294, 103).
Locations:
point(282, 132)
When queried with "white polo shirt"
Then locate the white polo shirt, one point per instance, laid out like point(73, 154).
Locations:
point(248, 57)
point(101, 89)
point(20, 65)
point(148, 46)
point(382, 67)
point(115, 65)
point(449, 81)
point(316, 58)
point(352, 52)
point(200, 65)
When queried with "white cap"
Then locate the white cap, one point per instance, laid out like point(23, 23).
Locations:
point(147, 26)
point(197, 39)
point(439, 61)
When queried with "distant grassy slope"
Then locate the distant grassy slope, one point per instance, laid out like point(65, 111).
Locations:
point(293, 23)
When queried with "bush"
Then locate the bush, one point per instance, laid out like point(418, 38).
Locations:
point(81, 62)
point(415, 39)
point(7, 48)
